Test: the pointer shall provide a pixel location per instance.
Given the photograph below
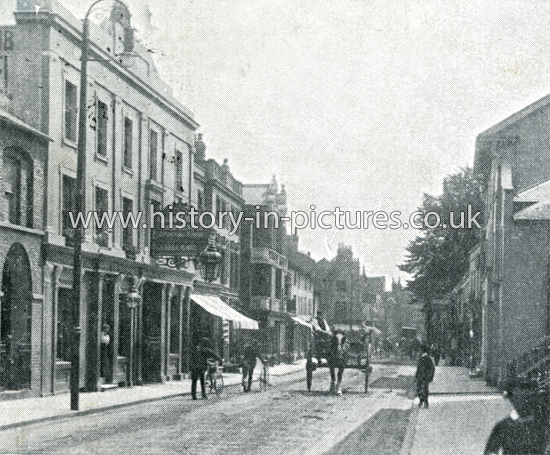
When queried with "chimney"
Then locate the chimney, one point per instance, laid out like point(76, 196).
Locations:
point(200, 148)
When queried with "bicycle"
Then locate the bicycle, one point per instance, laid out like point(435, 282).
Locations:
point(214, 377)
point(263, 378)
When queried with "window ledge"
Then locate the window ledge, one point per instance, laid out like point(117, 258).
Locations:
point(69, 143)
point(128, 170)
point(101, 158)
point(16, 227)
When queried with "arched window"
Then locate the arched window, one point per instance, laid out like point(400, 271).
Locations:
point(18, 186)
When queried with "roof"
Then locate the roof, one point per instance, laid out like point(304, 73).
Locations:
point(538, 193)
point(14, 121)
point(536, 212)
point(516, 117)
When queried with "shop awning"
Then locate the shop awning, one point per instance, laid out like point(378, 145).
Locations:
point(214, 305)
point(301, 322)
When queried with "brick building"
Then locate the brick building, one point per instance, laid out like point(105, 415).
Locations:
point(140, 154)
point(512, 159)
point(301, 304)
point(219, 192)
point(264, 267)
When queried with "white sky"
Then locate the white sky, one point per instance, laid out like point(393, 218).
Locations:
point(360, 104)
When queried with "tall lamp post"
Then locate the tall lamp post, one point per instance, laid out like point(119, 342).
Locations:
point(80, 206)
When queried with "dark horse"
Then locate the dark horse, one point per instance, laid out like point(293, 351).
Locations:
point(335, 350)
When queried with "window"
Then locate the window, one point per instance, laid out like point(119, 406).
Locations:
point(18, 180)
point(153, 152)
point(102, 118)
point(70, 111)
point(200, 200)
point(3, 74)
point(69, 206)
point(101, 208)
point(157, 207)
point(128, 140)
point(178, 184)
point(127, 232)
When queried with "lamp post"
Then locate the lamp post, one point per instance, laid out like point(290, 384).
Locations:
point(133, 300)
point(80, 206)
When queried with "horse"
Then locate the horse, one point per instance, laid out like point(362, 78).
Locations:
point(336, 352)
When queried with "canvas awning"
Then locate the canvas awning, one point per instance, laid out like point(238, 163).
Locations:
point(301, 322)
point(214, 305)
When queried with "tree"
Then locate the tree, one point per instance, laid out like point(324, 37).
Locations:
point(438, 258)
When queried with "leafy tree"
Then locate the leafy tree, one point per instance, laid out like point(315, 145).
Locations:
point(438, 258)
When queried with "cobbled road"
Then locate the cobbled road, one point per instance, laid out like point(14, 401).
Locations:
point(286, 419)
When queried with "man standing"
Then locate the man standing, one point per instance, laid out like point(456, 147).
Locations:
point(424, 375)
point(250, 354)
point(199, 364)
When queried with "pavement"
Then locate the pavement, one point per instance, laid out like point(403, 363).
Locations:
point(25, 411)
point(460, 418)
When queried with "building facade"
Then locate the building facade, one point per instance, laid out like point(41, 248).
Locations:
point(140, 147)
point(264, 267)
point(512, 161)
point(301, 303)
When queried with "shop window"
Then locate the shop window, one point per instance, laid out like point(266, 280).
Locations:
point(18, 187)
point(128, 142)
point(64, 319)
point(70, 111)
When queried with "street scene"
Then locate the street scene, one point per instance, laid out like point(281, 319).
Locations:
point(274, 227)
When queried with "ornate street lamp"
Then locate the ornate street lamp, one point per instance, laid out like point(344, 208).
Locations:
point(133, 300)
point(80, 204)
point(210, 263)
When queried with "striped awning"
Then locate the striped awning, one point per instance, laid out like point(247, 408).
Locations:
point(214, 305)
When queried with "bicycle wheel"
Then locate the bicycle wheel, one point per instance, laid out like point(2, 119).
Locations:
point(217, 383)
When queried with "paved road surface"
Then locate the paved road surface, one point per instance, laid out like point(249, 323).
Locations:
point(284, 420)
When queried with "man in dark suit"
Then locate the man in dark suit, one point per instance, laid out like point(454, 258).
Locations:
point(250, 354)
point(199, 364)
point(424, 375)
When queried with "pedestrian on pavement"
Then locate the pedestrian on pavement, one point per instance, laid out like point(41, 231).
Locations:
point(436, 353)
point(424, 375)
point(250, 354)
point(199, 364)
point(525, 431)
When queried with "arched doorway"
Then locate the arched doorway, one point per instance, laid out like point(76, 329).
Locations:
point(15, 321)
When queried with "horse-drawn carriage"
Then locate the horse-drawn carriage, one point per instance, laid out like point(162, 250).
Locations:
point(338, 351)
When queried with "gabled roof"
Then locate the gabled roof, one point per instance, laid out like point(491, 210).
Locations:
point(537, 212)
point(538, 193)
point(516, 117)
